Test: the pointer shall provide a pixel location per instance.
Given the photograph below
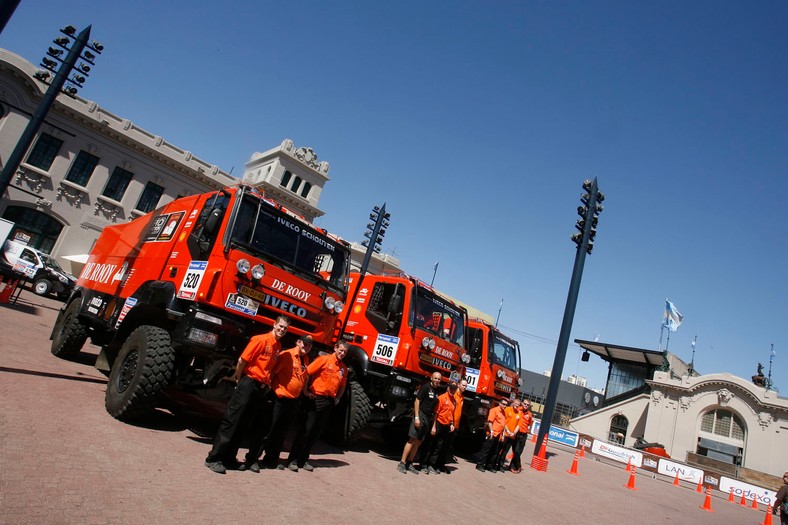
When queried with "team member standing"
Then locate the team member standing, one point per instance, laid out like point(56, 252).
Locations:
point(288, 380)
point(781, 501)
point(510, 431)
point(423, 409)
point(327, 381)
point(442, 428)
point(488, 454)
point(526, 420)
point(252, 377)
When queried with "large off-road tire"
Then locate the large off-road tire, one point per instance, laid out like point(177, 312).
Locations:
point(359, 410)
point(42, 286)
point(70, 334)
point(140, 373)
point(350, 416)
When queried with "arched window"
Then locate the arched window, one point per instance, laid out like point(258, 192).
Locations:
point(305, 190)
point(285, 179)
point(296, 184)
point(618, 429)
point(42, 229)
point(721, 436)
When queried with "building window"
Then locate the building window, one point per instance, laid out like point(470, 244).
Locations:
point(618, 429)
point(149, 198)
point(42, 229)
point(285, 179)
point(305, 190)
point(722, 423)
point(296, 184)
point(117, 184)
point(44, 152)
point(625, 377)
point(82, 168)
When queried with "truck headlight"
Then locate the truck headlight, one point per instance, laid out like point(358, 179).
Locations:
point(258, 271)
point(243, 266)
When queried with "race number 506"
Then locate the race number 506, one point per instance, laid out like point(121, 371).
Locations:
point(385, 349)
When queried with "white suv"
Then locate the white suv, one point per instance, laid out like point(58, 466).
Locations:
point(46, 274)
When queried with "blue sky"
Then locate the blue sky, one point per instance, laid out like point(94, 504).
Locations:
point(476, 123)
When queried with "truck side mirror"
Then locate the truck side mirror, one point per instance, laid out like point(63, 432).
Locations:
point(395, 304)
point(213, 222)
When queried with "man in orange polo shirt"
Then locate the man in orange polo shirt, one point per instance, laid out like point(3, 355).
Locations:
point(510, 431)
point(442, 427)
point(526, 420)
point(252, 377)
point(288, 380)
point(496, 420)
point(327, 381)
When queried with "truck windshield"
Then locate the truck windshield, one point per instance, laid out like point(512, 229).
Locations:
point(504, 353)
point(267, 232)
point(434, 314)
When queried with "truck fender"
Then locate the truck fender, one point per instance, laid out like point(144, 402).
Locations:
point(153, 299)
point(358, 360)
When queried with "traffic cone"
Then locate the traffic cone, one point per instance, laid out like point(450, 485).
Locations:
point(631, 483)
point(573, 470)
point(743, 501)
point(629, 465)
point(754, 502)
point(676, 479)
point(533, 437)
point(707, 504)
point(543, 450)
point(731, 498)
point(583, 451)
point(768, 519)
point(699, 488)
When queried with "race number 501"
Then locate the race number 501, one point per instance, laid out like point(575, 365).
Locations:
point(385, 349)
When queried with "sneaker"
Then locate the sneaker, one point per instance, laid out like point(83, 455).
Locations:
point(516, 470)
point(216, 466)
point(480, 468)
point(280, 466)
point(401, 467)
point(293, 466)
point(412, 469)
point(251, 467)
point(308, 467)
point(425, 470)
point(432, 470)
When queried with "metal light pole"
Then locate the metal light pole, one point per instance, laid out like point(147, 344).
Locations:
point(55, 87)
point(589, 213)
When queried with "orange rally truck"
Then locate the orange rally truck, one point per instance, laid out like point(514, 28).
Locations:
point(400, 331)
point(173, 297)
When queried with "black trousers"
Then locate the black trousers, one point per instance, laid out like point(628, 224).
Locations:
point(519, 445)
point(488, 454)
point(310, 426)
point(503, 451)
point(283, 414)
point(245, 407)
point(439, 446)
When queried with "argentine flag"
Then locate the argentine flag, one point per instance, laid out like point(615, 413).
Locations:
point(672, 317)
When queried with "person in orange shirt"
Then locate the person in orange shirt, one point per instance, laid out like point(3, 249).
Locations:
point(526, 420)
point(252, 377)
point(442, 427)
point(510, 431)
point(496, 420)
point(288, 380)
point(327, 381)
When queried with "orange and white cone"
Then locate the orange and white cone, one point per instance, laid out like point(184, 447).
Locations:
point(573, 470)
point(754, 502)
point(731, 498)
point(676, 480)
point(768, 519)
point(631, 483)
point(707, 504)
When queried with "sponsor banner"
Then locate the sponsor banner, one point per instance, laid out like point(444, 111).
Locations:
point(558, 435)
point(686, 473)
point(472, 377)
point(764, 496)
point(128, 305)
point(239, 303)
point(617, 453)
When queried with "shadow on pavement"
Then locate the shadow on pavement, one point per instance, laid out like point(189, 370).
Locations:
point(85, 379)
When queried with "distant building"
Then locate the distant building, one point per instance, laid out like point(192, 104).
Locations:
point(577, 380)
point(573, 400)
point(716, 420)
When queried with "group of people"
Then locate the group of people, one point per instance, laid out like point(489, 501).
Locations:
point(507, 429)
point(436, 418)
point(265, 370)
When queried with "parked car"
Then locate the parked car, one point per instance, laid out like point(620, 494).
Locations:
point(42, 270)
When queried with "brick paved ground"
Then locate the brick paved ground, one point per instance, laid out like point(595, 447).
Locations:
point(63, 459)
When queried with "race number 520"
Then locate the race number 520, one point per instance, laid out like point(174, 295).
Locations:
point(191, 281)
point(385, 349)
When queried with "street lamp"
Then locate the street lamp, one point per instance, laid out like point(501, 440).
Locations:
point(586, 225)
point(60, 83)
